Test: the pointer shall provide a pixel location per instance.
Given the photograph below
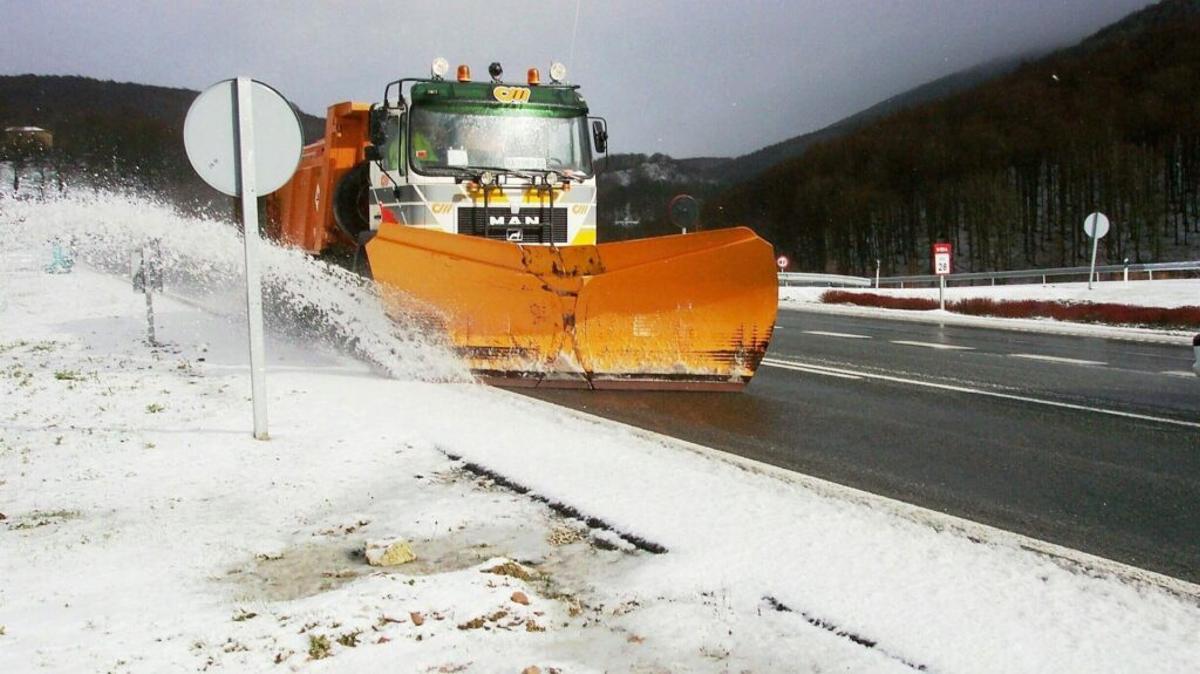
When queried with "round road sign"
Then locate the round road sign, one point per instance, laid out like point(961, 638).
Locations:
point(782, 261)
point(1097, 223)
point(684, 211)
point(210, 136)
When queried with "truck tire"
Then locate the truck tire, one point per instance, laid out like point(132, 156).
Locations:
point(351, 201)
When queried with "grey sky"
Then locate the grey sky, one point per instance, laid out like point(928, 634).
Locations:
point(686, 78)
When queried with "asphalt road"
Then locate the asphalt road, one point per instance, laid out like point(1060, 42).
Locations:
point(1089, 443)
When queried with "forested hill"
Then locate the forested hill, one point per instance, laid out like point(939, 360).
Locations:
point(113, 132)
point(1008, 170)
point(750, 165)
point(639, 186)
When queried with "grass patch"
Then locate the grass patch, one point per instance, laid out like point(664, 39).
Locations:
point(319, 647)
point(349, 639)
point(511, 569)
point(67, 375)
point(155, 408)
point(1171, 318)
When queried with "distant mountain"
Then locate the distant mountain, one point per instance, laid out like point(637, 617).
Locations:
point(749, 165)
point(119, 132)
point(1008, 169)
point(639, 185)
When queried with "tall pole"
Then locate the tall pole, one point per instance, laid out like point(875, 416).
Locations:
point(249, 196)
point(1095, 246)
point(942, 291)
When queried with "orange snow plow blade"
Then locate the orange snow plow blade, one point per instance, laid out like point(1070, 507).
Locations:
point(694, 311)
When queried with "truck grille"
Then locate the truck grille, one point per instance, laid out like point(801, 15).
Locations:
point(527, 225)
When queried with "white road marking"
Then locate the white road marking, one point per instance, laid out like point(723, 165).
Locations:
point(811, 369)
point(847, 335)
point(775, 362)
point(1180, 373)
point(934, 345)
point(1057, 359)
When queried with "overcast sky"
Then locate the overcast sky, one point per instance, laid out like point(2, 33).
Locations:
point(685, 78)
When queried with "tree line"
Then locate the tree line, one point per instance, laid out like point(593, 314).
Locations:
point(1009, 170)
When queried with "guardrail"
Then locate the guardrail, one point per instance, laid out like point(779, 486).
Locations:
point(801, 279)
point(1044, 274)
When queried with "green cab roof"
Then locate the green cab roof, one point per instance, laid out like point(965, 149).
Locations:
point(555, 99)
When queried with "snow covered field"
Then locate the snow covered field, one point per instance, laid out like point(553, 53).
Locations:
point(144, 530)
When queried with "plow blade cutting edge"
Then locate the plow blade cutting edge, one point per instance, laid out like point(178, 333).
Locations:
point(693, 311)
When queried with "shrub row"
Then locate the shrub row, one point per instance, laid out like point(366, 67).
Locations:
point(1182, 318)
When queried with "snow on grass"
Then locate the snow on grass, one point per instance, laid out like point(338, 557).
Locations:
point(165, 540)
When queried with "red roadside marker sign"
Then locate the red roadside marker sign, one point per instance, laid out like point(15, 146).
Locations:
point(783, 262)
point(942, 254)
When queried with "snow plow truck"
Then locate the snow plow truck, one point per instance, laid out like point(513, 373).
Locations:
point(474, 204)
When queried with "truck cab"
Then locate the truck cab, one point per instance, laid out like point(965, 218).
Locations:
point(510, 162)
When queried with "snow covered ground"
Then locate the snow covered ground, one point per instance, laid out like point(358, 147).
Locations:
point(144, 530)
point(1173, 293)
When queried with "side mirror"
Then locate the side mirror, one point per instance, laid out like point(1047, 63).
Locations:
point(377, 126)
point(372, 153)
point(600, 134)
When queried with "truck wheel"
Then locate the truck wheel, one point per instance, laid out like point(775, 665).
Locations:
point(351, 201)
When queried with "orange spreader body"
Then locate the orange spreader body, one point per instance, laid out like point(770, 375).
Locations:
point(693, 311)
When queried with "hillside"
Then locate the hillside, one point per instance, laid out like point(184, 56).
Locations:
point(113, 132)
point(643, 184)
point(1008, 170)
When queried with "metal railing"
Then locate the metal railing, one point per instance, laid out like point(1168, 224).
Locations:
point(1044, 274)
point(829, 280)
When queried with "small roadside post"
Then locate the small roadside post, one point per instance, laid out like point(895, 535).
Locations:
point(1095, 226)
point(878, 264)
point(943, 252)
point(147, 271)
point(782, 262)
point(243, 139)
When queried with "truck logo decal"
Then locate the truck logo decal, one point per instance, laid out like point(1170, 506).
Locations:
point(494, 220)
point(440, 208)
point(515, 235)
point(511, 94)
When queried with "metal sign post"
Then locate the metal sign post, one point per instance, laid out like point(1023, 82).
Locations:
point(1096, 226)
point(244, 139)
point(250, 239)
point(943, 252)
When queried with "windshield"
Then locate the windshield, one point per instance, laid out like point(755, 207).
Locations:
point(442, 141)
